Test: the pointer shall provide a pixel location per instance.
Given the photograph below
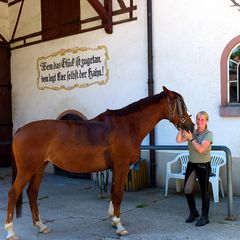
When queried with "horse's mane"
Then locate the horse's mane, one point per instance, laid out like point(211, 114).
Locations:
point(138, 105)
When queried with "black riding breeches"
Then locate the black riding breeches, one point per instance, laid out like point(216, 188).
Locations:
point(202, 171)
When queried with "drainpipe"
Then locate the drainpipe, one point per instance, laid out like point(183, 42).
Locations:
point(151, 91)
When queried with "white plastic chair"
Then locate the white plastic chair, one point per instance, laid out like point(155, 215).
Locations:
point(217, 161)
point(183, 158)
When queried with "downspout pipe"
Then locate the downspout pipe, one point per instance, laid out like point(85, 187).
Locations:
point(151, 91)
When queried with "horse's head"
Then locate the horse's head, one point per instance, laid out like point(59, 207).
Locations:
point(177, 111)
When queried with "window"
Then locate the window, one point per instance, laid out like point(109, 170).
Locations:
point(233, 76)
point(230, 79)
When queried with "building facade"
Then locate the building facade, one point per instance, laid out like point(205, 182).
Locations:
point(192, 46)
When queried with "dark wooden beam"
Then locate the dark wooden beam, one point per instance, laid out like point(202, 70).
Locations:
point(122, 4)
point(99, 8)
point(108, 25)
point(3, 38)
point(19, 14)
point(14, 2)
point(105, 12)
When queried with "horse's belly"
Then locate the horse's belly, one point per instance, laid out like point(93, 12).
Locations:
point(84, 161)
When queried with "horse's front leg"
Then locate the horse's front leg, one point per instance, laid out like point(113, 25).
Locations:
point(118, 182)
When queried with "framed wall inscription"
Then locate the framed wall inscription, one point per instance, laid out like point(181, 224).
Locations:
point(70, 68)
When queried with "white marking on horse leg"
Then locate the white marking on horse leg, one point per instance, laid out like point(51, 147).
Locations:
point(9, 229)
point(41, 226)
point(120, 229)
point(110, 209)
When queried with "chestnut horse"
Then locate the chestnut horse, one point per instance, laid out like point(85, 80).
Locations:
point(110, 141)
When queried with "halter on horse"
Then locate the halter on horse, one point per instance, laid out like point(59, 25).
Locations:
point(175, 110)
point(112, 140)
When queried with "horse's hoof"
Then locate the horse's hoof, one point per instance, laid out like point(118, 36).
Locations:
point(46, 230)
point(123, 233)
point(13, 238)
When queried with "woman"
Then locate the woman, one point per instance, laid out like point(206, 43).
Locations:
point(199, 144)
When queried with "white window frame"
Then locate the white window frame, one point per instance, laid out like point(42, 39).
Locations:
point(232, 81)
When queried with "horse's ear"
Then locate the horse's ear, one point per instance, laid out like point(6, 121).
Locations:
point(168, 92)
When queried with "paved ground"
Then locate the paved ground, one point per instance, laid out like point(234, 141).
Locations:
point(73, 210)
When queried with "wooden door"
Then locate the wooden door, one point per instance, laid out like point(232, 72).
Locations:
point(5, 107)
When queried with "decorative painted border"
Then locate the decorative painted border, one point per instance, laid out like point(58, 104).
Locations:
point(75, 50)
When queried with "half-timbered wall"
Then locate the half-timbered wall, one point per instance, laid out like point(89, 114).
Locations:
point(51, 19)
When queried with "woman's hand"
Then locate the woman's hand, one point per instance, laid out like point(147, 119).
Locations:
point(200, 147)
point(187, 134)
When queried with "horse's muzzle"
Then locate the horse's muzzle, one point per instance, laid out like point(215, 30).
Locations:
point(187, 127)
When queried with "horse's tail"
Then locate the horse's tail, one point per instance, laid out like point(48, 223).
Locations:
point(14, 174)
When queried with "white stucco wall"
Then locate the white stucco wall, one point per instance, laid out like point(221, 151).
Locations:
point(188, 41)
point(188, 37)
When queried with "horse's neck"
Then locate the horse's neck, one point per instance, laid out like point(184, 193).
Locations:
point(139, 118)
point(142, 122)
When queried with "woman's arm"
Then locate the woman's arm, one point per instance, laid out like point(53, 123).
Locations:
point(181, 137)
point(199, 147)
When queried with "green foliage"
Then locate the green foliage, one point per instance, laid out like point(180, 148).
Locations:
point(235, 52)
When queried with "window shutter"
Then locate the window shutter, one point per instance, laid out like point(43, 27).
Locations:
point(60, 18)
point(50, 19)
point(70, 17)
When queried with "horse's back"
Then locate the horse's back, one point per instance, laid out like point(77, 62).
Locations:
point(67, 144)
point(79, 132)
point(35, 131)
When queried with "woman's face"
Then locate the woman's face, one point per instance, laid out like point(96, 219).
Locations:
point(201, 121)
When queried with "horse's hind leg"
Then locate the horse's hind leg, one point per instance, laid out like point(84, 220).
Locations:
point(32, 191)
point(14, 196)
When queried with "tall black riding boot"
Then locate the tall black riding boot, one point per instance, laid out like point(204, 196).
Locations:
point(205, 210)
point(192, 207)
